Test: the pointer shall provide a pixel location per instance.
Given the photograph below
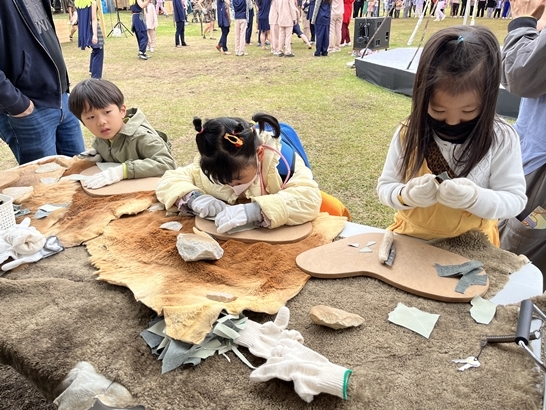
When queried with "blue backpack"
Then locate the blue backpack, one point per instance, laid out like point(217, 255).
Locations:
point(290, 146)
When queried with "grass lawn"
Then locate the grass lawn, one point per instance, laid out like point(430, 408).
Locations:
point(345, 123)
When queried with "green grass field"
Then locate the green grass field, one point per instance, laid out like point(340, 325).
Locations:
point(345, 123)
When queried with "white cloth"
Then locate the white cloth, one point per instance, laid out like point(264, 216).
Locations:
point(206, 205)
point(90, 155)
point(23, 238)
point(237, 215)
point(420, 191)
point(499, 174)
point(460, 193)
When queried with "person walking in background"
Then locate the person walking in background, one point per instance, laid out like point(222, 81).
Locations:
point(151, 24)
point(491, 4)
point(345, 33)
point(35, 121)
point(248, 34)
point(481, 8)
point(263, 21)
point(139, 26)
point(209, 16)
point(309, 17)
point(506, 9)
point(371, 8)
point(439, 10)
point(160, 9)
point(321, 20)
point(287, 17)
point(455, 8)
point(498, 8)
point(224, 22)
point(336, 20)
point(358, 7)
point(91, 35)
point(179, 8)
point(419, 7)
point(408, 4)
point(523, 75)
point(274, 28)
point(240, 10)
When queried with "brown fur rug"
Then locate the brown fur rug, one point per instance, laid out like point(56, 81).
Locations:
point(55, 313)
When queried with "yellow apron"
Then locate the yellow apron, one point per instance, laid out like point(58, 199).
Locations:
point(439, 221)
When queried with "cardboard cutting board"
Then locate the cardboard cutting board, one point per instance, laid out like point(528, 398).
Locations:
point(282, 234)
point(413, 268)
point(7, 178)
point(125, 186)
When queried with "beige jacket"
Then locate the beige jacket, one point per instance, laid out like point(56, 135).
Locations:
point(297, 203)
point(287, 11)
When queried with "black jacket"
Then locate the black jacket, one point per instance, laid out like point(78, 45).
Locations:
point(27, 71)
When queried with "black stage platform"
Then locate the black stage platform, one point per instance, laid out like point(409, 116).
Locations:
point(388, 69)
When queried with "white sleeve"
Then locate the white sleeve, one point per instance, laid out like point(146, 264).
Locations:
point(505, 196)
point(390, 183)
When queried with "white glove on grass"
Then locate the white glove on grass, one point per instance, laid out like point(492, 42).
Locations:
point(311, 372)
point(261, 339)
point(458, 193)
point(238, 215)
point(108, 177)
point(90, 155)
point(206, 205)
point(420, 191)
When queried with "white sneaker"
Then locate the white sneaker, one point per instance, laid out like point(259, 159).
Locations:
point(152, 50)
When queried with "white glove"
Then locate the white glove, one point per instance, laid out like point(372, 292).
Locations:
point(238, 215)
point(51, 247)
point(311, 372)
point(23, 238)
point(206, 205)
point(90, 155)
point(458, 193)
point(108, 177)
point(420, 191)
point(262, 339)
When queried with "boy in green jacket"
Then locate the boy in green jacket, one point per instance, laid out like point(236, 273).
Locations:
point(122, 135)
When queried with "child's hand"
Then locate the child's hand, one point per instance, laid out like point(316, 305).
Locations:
point(459, 193)
point(206, 205)
point(108, 177)
point(420, 191)
point(238, 215)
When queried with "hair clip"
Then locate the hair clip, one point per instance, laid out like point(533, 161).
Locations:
point(238, 142)
point(460, 39)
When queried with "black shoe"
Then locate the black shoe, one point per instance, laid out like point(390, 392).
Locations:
point(184, 44)
point(142, 56)
point(289, 55)
point(281, 54)
point(325, 54)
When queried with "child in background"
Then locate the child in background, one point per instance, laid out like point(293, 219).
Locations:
point(321, 20)
point(498, 7)
point(237, 165)
point(440, 10)
point(371, 8)
point(453, 128)
point(138, 26)
point(121, 135)
point(151, 24)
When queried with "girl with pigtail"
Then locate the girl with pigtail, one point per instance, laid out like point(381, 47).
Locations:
point(235, 179)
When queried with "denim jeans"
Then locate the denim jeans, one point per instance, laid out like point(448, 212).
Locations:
point(47, 131)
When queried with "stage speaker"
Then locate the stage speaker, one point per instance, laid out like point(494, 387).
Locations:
point(368, 27)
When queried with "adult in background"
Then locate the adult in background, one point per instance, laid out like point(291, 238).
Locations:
point(180, 16)
point(524, 54)
point(139, 26)
point(91, 35)
point(34, 118)
point(224, 22)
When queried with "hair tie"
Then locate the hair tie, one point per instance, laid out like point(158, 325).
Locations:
point(460, 39)
point(202, 130)
point(235, 140)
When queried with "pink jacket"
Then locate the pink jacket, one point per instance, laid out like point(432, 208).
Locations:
point(151, 17)
point(287, 12)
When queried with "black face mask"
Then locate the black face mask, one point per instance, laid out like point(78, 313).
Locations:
point(455, 134)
